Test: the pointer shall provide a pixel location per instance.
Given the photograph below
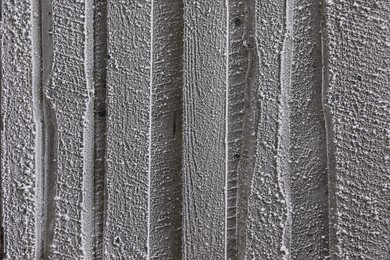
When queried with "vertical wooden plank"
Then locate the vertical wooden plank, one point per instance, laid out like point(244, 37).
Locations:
point(128, 130)
point(166, 129)
point(241, 125)
point(357, 101)
point(308, 154)
point(269, 207)
point(69, 92)
point(19, 131)
point(205, 90)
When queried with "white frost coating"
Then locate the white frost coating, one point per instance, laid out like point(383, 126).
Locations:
point(18, 132)
point(173, 188)
point(70, 93)
point(268, 235)
point(308, 156)
point(128, 88)
point(357, 102)
point(87, 215)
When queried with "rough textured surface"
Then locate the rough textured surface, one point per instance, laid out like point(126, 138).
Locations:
point(70, 95)
point(231, 129)
point(240, 101)
point(204, 169)
point(269, 205)
point(129, 76)
point(308, 155)
point(167, 131)
point(19, 135)
point(357, 94)
point(100, 127)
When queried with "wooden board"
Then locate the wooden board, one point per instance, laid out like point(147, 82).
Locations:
point(357, 100)
point(194, 129)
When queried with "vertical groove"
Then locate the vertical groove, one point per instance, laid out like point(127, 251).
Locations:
point(88, 189)
point(330, 163)
point(330, 150)
point(1, 130)
point(227, 127)
point(243, 122)
point(150, 127)
point(50, 131)
point(50, 178)
point(283, 136)
point(38, 120)
point(100, 111)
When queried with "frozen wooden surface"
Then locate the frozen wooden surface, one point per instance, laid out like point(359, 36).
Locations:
point(204, 169)
point(129, 81)
point(308, 154)
point(357, 102)
point(19, 133)
point(195, 129)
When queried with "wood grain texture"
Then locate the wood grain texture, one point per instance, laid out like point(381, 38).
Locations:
point(127, 224)
point(241, 122)
point(204, 168)
point(357, 111)
point(69, 92)
point(308, 153)
point(269, 208)
point(19, 132)
point(166, 197)
point(195, 129)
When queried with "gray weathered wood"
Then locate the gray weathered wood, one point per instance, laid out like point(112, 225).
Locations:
point(128, 130)
point(20, 132)
point(205, 129)
point(357, 93)
point(269, 207)
point(166, 129)
point(70, 96)
point(243, 67)
point(308, 154)
point(233, 129)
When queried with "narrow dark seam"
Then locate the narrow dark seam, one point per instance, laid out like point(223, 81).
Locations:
point(100, 54)
point(50, 130)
